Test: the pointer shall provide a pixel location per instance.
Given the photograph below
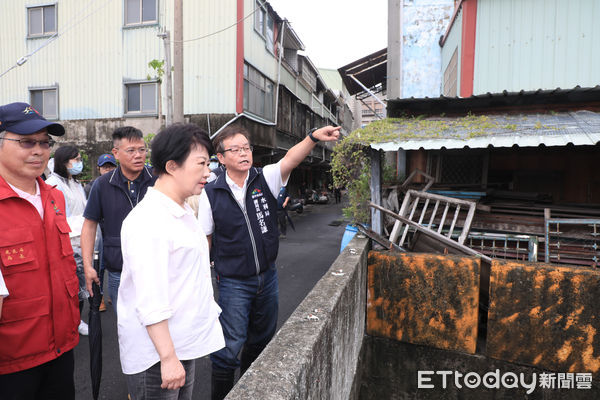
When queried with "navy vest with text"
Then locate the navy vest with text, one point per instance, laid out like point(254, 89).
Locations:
point(243, 244)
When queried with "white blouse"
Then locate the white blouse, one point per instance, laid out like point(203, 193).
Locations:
point(166, 276)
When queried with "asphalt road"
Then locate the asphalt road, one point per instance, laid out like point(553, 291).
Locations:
point(304, 256)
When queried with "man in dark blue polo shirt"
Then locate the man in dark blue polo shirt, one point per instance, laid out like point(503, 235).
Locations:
point(112, 197)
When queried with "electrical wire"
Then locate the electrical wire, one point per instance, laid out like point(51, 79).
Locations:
point(262, 4)
point(56, 35)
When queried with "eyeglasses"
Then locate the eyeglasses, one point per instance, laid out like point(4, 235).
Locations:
point(30, 143)
point(239, 150)
point(132, 151)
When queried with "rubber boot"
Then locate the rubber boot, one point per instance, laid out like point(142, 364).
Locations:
point(221, 382)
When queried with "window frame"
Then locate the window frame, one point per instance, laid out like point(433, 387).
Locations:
point(263, 29)
point(140, 113)
point(140, 22)
point(258, 9)
point(43, 89)
point(44, 32)
point(259, 91)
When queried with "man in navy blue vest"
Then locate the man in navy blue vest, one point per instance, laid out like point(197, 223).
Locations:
point(240, 219)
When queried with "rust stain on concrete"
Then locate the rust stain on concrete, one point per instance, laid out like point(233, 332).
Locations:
point(424, 299)
point(545, 315)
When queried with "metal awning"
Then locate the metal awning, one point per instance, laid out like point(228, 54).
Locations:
point(579, 128)
point(370, 71)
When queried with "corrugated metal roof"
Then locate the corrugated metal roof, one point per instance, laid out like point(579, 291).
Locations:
point(370, 70)
point(524, 130)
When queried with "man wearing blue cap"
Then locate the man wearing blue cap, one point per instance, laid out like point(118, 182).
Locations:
point(106, 163)
point(39, 311)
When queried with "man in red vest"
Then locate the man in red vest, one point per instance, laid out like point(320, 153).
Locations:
point(39, 311)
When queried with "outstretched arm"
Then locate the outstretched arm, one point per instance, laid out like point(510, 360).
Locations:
point(296, 154)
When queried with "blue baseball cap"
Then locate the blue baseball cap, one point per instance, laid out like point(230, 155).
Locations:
point(106, 158)
point(22, 119)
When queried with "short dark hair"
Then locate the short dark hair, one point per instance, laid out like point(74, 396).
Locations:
point(62, 155)
point(175, 143)
point(126, 132)
point(228, 132)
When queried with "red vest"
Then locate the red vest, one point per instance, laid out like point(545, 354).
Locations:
point(41, 314)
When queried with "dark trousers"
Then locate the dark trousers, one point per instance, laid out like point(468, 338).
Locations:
point(146, 384)
point(248, 318)
point(50, 381)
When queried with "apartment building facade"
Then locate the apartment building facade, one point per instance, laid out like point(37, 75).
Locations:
point(86, 64)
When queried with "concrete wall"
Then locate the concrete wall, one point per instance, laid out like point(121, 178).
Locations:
point(423, 22)
point(315, 353)
point(390, 370)
point(541, 315)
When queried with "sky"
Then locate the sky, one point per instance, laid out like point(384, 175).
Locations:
point(336, 32)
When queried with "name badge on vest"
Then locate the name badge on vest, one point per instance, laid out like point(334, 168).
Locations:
point(262, 209)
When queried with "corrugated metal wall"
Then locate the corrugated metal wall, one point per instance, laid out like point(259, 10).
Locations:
point(255, 51)
point(453, 42)
point(536, 44)
point(90, 62)
point(209, 63)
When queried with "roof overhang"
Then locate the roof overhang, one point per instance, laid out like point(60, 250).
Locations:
point(525, 119)
point(370, 71)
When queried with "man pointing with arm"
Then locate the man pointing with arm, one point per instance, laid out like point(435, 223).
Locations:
point(240, 218)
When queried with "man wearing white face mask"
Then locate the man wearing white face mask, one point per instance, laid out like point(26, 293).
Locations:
point(67, 165)
point(215, 167)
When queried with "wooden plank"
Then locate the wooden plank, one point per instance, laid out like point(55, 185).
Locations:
point(437, 203)
point(443, 218)
point(423, 211)
point(443, 239)
point(398, 225)
point(412, 212)
point(454, 221)
point(376, 217)
point(467, 225)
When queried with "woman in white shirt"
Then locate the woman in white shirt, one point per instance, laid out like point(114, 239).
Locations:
point(167, 316)
point(67, 165)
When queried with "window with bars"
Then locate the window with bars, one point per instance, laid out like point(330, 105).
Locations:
point(41, 21)
point(141, 98)
point(138, 12)
point(45, 101)
point(258, 93)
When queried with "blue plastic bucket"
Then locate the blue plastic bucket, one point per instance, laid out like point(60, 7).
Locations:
point(348, 235)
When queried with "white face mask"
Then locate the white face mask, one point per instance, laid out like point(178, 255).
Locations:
point(213, 165)
point(76, 168)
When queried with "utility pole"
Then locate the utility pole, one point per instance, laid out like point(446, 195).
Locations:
point(394, 50)
point(167, 42)
point(178, 62)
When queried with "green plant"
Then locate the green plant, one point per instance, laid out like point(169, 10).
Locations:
point(389, 175)
point(148, 140)
point(86, 174)
point(159, 69)
point(350, 165)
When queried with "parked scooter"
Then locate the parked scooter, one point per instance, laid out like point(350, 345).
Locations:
point(316, 198)
point(296, 205)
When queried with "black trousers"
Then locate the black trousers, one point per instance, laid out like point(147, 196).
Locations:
point(50, 381)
